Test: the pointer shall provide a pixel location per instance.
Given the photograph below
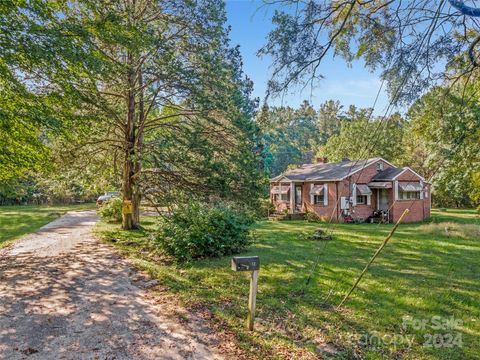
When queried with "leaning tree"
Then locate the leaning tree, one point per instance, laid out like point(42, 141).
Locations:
point(414, 44)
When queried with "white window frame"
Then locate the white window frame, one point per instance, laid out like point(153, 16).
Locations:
point(407, 195)
point(363, 201)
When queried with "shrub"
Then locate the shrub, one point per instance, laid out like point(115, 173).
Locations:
point(263, 209)
point(312, 217)
point(111, 210)
point(195, 231)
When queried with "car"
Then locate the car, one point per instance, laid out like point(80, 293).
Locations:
point(107, 196)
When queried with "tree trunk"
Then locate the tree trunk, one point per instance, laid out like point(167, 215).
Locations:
point(137, 195)
point(128, 221)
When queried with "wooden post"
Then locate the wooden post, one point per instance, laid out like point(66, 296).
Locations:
point(374, 256)
point(252, 299)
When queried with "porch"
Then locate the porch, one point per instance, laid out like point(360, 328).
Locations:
point(286, 203)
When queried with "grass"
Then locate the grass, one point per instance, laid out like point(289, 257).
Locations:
point(16, 221)
point(423, 272)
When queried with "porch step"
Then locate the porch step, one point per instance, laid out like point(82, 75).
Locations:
point(277, 216)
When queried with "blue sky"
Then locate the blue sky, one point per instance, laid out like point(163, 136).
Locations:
point(251, 22)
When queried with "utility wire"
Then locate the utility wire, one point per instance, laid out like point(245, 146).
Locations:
point(381, 123)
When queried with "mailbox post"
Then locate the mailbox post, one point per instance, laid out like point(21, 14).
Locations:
point(252, 264)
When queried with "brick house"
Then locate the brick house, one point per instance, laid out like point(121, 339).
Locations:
point(352, 190)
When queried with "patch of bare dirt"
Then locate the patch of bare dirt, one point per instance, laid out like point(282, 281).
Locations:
point(65, 295)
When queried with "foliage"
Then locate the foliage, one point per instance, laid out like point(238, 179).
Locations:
point(412, 49)
point(448, 123)
point(127, 80)
point(289, 135)
point(441, 278)
point(362, 138)
point(263, 210)
point(111, 210)
point(196, 231)
point(311, 216)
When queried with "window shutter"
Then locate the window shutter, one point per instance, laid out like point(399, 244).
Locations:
point(312, 197)
point(325, 194)
point(292, 197)
point(354, 195)
point(369, 199)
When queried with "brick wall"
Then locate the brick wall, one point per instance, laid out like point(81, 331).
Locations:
point(408, 176)
point(328, 212)
point(416, 210)
point(420, 209)
point(365, 176)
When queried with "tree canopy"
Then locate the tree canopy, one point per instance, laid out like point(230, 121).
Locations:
point(149, 87)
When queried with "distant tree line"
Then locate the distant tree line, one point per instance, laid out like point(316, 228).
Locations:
point(438, 137)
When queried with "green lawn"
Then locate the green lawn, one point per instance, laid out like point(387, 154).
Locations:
point(426, 270)
point(16, 221)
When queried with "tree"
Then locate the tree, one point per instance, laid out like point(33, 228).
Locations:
point(416, 45)
point(289, 135)
point(131, 71)
point(329, 119)
point(408, 41)
point(354, 141)
point(447, 121)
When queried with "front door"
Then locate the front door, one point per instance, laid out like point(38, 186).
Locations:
point(298, 197)
point(383, 199)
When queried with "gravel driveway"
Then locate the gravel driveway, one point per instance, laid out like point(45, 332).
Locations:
point(65, 295)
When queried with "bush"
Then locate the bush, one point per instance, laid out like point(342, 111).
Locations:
point(195, 231)
point(312, 217)
point(262, 209)
point(111, 210)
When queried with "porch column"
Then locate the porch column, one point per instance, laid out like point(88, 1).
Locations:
point(292, 197)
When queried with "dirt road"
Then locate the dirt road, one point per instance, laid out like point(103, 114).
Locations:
point(65, 295)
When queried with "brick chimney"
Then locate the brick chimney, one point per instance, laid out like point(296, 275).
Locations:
point(322, 160)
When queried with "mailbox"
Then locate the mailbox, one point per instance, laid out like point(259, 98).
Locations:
point(245, 263)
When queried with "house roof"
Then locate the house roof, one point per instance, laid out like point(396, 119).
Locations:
point(392, 173)
point(388, 174)
point(323, 172)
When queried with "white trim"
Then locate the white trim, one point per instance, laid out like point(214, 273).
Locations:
point(421, 191)
point(325, 194)
point(395, 189)
point(369, 199)
point(378, 199)
point(312, 197)
point(321, 180)
point(405, 169)
point(354, 195)
point(280, 178)
point(292, 197)
point(374, 161)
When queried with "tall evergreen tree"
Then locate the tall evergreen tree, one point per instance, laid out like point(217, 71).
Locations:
point(127, 70)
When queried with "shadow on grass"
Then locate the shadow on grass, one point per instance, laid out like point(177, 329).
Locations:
point(416, 275)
